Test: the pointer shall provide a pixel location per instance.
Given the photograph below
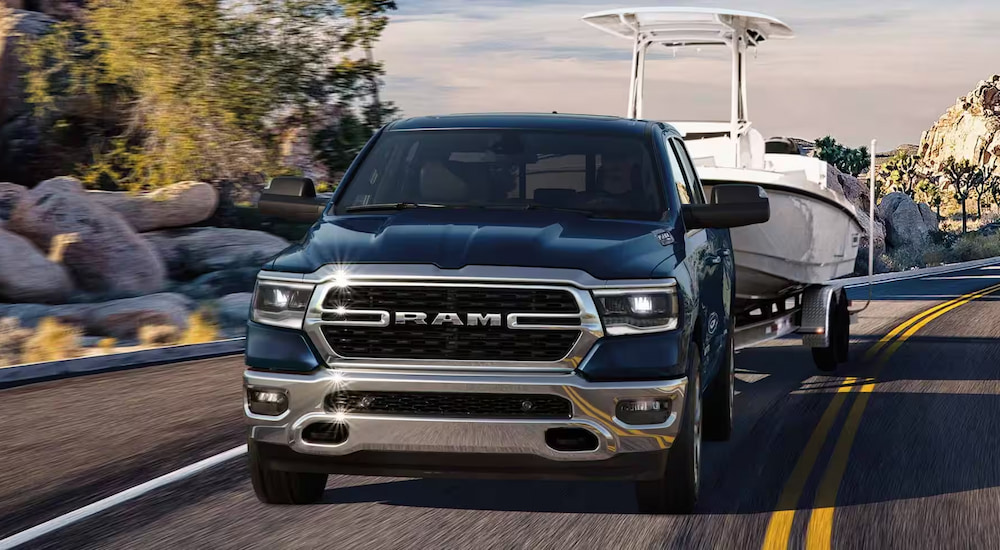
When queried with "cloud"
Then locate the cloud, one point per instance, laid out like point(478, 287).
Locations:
point(853, 71)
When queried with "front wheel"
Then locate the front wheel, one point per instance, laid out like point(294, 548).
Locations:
point(279, 487)
point(676, 491)
point(721, 394)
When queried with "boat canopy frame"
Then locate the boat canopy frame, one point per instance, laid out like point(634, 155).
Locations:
point(675, 27)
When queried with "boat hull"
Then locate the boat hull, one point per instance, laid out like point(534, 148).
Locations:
point(807, 240)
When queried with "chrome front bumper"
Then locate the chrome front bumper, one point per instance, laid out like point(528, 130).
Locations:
point(593, 409)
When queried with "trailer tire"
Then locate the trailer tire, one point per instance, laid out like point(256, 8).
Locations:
point(828, 358)
point(843, 342)
point(721, 394)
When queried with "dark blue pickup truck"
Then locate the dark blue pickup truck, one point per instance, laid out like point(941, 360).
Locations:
point(502, 295)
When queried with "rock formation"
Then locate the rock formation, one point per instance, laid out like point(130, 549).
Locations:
point(105, 254)
point(907, 223)
point(26, 275)
point(176, 205)
point(195, 251)
point(970, 129)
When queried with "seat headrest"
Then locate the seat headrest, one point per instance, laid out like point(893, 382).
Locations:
point(439, 184)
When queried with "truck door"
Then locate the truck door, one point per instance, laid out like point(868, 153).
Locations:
point(716, 269)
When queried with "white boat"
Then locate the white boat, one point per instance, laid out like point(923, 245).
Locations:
point(814, 231)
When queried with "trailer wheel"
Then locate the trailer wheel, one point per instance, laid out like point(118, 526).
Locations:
point(827, 358)
point(844, 328)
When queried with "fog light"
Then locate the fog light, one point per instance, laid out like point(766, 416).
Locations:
point(643, 411)
point(267, 402)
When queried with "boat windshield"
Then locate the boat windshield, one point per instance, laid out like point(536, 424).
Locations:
point(596, 175)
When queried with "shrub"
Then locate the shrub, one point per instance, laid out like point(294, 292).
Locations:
point(52, 341)
point(200, 329)
point(905, 258)
point(12, 339)
point(975, 247)
point(158, 335)
point(935, 254)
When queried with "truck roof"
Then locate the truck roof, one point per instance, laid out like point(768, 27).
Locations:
point(612, 125)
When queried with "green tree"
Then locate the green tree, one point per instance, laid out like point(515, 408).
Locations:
point(902, 173)
point(982, 181)
point(203, 81)
point(847, 160)
point(931, 192)
point(992, 187)
point(962, 178)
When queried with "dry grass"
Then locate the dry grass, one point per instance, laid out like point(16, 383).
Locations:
point(200, 329)
point(158, 335)
point(52, 341)
point(12, 339)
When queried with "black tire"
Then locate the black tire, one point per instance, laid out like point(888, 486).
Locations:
point(827, 358)
point(278, 487)
point(676, 492)
point(721, 395)
point(843, 341)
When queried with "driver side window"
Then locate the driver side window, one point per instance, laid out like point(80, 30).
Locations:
point(698, 193)
point(677, 174)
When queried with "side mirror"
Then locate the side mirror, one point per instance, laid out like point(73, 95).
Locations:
point(291, 198)
point(733, 205)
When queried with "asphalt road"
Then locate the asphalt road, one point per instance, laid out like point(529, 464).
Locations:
point(908, 459)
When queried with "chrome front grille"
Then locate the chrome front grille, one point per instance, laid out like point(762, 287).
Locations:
point(373, 319)
point(453, 299)
point(451, 323)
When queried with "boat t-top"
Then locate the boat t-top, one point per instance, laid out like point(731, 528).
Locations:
point(814, 231)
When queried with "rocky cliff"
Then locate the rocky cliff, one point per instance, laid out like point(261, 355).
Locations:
point(970, 129)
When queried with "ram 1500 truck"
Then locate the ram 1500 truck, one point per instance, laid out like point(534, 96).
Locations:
point(502, 295)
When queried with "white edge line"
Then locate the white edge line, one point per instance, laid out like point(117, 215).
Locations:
point(921, 273)
point(116, 499)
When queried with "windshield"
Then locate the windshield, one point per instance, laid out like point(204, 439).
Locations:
point(603, 176)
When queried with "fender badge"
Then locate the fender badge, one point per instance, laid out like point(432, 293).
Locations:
point(665, 238)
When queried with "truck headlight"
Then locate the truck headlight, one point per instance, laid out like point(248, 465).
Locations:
point(281, 304)
point(637, 310)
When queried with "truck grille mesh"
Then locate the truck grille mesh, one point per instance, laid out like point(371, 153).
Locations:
point(454, 299)
point(454, 343)
point(449, 342)
point(448, 404)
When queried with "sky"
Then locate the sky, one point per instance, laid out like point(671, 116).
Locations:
point(856, 70)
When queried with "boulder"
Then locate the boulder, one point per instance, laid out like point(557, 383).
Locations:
point(221, 283)
point(234, 310)
point(100, 249)
point(970, 129)
point(10, 194)
point(26, 275)
point(29, 315)
point(904, 223)
point(177, 205)
point(856, 191)
point(929, 216)
point(196, 251)
point(124, 318)
point(879, 239)
point(121, 318)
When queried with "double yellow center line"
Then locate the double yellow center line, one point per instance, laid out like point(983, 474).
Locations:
point(819, 533)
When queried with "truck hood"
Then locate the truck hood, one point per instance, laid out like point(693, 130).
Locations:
point(452, 239)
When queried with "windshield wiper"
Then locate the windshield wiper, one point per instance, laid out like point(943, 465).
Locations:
point(535, 206)
point(392, 206)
